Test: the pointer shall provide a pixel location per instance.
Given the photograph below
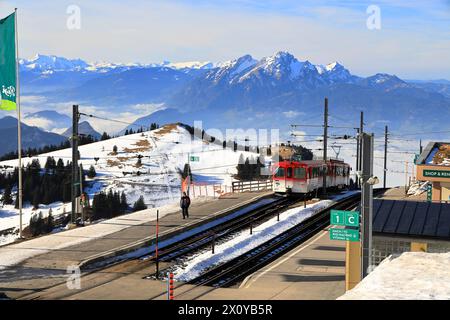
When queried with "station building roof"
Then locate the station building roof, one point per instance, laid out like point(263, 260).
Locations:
point(411, 219)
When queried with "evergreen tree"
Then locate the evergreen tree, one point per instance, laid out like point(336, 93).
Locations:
point(247, 174)
point(240, 167)
point(7, 199)
point(36, 199)
point(16, 202)
point(139, 204)
point(37, 224)
point(123, 202)
point(91, 173)
point(32, 225)
point(105, 136)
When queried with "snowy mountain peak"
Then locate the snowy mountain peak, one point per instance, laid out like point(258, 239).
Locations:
point(234, 67)
point(236, 63)
point(189, 65)
point(284, 64)
point(334, 66)
point(52, 63)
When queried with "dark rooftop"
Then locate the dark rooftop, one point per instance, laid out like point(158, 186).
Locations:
point(411, 219)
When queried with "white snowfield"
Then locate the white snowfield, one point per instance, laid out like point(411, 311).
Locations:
point(411, 276)
point(244, 242)
point(164, 152)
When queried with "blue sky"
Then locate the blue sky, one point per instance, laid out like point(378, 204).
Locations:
point(413, 42)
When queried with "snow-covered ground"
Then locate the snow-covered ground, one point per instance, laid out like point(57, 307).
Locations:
point(244, 242)
point(417, 188)
point(9, 217)
point(164, 153)
point(411, 276)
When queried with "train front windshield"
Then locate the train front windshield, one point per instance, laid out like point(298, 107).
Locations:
point(280, 173)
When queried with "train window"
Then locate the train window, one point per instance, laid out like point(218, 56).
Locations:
point(299, 173)
point(289, 172)
point(280, 173)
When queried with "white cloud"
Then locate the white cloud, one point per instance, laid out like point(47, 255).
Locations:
point(39, 122)
point(292, 114)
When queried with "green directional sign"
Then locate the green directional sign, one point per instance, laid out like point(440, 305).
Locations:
point(344, 218)
point(194, 159)
point(344, 234)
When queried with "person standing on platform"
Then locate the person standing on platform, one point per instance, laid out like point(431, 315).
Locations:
point(185, 202)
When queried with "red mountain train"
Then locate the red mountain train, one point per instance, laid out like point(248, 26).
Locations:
point(307, 176)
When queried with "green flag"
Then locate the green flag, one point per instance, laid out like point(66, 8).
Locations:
point(8, 86)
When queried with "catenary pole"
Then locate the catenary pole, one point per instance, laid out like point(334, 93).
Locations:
point(325, 142)
point(357, 157)
point(75, 118)
point(385, 155)
point(361, 130)
point(366, 204)
point(81, 191)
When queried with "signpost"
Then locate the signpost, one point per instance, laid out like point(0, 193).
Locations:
point(194, 159)
point(344, 218)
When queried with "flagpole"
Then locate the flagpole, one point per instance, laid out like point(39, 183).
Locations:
point(19, 133)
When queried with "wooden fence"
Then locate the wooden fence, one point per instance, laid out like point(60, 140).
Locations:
point(260, 185)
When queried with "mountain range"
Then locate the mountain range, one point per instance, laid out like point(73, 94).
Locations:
point(245, 92)
point(32, 137)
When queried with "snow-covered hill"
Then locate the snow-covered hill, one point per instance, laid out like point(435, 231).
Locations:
point(163, 153)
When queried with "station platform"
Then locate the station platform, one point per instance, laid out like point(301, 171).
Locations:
point(314, 270)
point(42, 262)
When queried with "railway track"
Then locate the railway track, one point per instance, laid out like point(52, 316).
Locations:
point(177, 249)
point(234, 270)
point(221, 231)
point(231, 272)
point(225, 274)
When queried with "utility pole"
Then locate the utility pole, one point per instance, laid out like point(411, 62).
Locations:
point(75, 119)
point(406, 178)
point(325, 141)
point(357, 157)
point(81, 192)
point(361, 130)
point(366, 203)
point(420, 146)
point(385, 155)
